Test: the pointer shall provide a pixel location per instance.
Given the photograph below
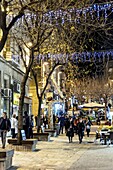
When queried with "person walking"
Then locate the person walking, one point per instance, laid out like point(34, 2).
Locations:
point(26, 124)
point(13, 125)
point(54, 121)
point(66, 123)
point(31, 126)
point(62, 120)
point(16, 127)
point(70, 129)
point(5, 126)
point(75, 126)
point(88, 126)
point(45, 121)
point(80, 127)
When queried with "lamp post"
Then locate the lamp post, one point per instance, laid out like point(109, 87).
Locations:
point(59, 78)
point(72, 103)
point(12, 98)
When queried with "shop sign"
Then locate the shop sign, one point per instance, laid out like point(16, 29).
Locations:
point(16, 99)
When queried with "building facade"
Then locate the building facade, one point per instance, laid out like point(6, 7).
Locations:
point(10, 80)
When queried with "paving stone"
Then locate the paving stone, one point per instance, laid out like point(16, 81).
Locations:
point(61, 155)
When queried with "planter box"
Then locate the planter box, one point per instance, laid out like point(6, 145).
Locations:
point(42, 136)
point(6, 159)
point(27, 145)
point(51, 132)
point(12, 141)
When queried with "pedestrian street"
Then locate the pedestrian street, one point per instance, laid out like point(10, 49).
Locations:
point(59, 154)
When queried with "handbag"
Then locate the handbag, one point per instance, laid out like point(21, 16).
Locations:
point(87, 127)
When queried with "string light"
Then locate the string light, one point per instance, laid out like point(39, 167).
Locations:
point(74, 15)
point(79, 57)
point(67, 15)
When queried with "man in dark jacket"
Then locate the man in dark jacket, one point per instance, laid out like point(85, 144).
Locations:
point(62, 120)
point(5, 126)
point(80, 127)
point(26, 124)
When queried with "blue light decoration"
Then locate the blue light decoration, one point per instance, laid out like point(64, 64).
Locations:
point(101, 56)
point(98, 12)
point(68, 14)
point(74, 15)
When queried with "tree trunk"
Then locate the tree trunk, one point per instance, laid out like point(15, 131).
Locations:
point(20, 112)
point(50, 115)
point(3, 40)
point(39, 115)
point(40, 96)
point(22, 94)
point(105, 108)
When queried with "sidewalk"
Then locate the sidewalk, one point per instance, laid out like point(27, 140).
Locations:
point(59, 154)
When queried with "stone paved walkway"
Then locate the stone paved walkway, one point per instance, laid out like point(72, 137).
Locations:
point(54, 155)
point(58, 154)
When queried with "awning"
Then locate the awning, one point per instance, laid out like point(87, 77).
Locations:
point(93, 105)
point(27, 100)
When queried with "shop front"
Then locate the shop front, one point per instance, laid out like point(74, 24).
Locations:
point(27, 104)
point(16, 97)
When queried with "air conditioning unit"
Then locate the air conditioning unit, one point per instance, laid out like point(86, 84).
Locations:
point(6, 92)
point(18, 87)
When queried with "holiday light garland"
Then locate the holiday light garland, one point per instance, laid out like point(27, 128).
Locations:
point(64, 16)
point(101, 56)
point(74, 15)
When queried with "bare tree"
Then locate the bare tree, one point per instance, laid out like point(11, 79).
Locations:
point(32, 29)
point(40, 96)
point(100, 88)
point(10, 12)
point(30, 33)
point(87, 31)
point(29, 36)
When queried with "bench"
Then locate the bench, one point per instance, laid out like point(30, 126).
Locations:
point(6, 159)
point(42, 136)
point(12, 141)
point(26, 145)
point(51, 132)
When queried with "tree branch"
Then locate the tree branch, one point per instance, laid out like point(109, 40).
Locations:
point(47, 80)
point(36, 82)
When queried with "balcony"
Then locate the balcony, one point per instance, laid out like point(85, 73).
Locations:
point(13, 59)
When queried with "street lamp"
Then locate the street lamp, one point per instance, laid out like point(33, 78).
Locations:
point(59, 78)
point(44, 71)
point(72, 103)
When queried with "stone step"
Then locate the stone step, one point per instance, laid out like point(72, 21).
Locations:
point(6, 159)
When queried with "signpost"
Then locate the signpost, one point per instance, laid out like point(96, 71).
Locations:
point(23, 134)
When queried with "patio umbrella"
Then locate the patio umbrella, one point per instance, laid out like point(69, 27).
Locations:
point(93, 105)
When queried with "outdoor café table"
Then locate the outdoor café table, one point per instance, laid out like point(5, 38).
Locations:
point(104, 135)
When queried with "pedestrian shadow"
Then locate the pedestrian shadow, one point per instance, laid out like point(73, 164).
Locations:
point(14, 168)
point(98, 147)
point(37, 150)
point(51, 140)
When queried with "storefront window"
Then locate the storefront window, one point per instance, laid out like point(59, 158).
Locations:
point(6, 105)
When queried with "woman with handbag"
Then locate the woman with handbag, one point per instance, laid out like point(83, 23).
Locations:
point(70, 129)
